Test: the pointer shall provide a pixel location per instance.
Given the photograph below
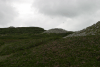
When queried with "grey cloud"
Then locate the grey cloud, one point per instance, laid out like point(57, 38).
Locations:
point(18, 1)
point(7, 12)
point(67, 8)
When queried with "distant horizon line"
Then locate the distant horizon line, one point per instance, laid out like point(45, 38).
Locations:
point(36, 26)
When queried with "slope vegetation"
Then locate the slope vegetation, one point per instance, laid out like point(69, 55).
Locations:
point(49, 50)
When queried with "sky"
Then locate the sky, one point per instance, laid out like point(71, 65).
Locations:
point(71, 15)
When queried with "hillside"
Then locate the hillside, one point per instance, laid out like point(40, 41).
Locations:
point(91, 30)
point(49, 50)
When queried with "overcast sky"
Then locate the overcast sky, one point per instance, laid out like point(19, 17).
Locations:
point(71, 15)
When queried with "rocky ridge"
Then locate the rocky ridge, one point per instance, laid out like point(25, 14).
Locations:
point(91, 30)
point(56, 30)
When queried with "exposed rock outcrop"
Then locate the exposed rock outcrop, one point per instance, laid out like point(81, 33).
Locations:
point(91, 30)
point(55, 30)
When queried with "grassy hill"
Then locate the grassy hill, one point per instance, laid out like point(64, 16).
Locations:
point(21, 30)
point(49, 50)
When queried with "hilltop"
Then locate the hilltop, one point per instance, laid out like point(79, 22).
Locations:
point(21, 30)
point(56, 30)
point(91, 30)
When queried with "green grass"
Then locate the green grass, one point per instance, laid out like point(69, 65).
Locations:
point(49, 50)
